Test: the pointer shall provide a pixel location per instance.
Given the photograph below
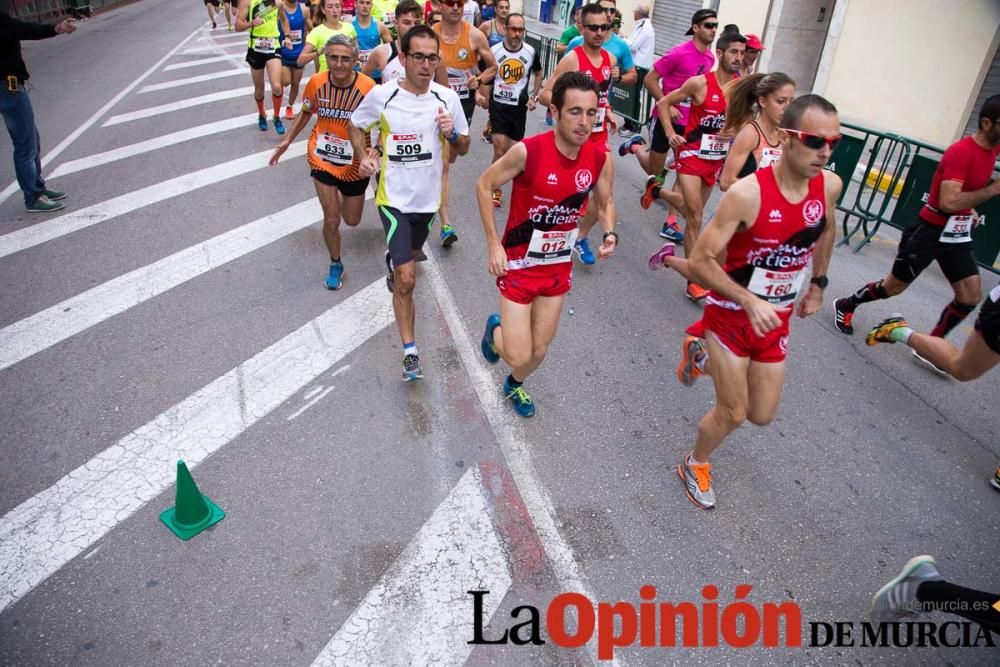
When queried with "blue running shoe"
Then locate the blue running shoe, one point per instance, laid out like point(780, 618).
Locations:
point(523, 405)
point(582, 249)
point(672, 232)
point(262, 123)
point(448, 236)
point(626, 147)
point(279, 127)
point(490, 352)
point(335, 279)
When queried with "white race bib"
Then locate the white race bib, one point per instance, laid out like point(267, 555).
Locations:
point(333, 149)
point(408, 150)
point(550, 247)
point(768, 156)
point(457, 83)
point(776, 286)
point(713, 147)
point(265, 44)
point(958, 229)
point(363, 56)
point(295, 36)
point(504, 93)
point(599, 120)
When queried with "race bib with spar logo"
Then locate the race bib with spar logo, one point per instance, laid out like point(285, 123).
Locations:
point(334, 150)
point(265, 44)
point(458, 84)
point(550, 247)
point(958, 229)
point(713, 147)
point(408, 150)
point(776, 287)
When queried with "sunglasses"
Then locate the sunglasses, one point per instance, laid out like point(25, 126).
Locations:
point(815, 141)
point(597, 27)
point(453, 3)
point(709, 26)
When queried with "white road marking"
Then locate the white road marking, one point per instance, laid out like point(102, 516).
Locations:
point(153, 144)
point(38, 332)
point(178, 105)
point(88, 216)
point(64, 144)
point(46, 531)
point(194, 63)
point(313, 401)
point(515, 450)
point(177, 83)
point(419, 612)
point(208, 50)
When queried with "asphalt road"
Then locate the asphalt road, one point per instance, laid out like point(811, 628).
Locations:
point(175, 309)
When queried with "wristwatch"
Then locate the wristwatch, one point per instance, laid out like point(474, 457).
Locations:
point(820, 281)
point(453, 137)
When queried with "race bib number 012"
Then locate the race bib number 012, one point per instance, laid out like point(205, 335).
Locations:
point(408, 150)
point(776, 286)
point(550, 247)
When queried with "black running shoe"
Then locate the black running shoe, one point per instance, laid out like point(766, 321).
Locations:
point(843, 317)
point(390, 279)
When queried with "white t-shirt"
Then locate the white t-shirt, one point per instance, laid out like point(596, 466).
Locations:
point(641, 43)
point(411, 142)
point(469, 11)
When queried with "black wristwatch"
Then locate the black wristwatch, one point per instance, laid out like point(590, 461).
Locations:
point(820, 281)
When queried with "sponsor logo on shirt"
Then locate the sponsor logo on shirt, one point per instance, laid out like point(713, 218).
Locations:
point(774, 215)
point(583, 180)
point(552, 179)
point(812, 212)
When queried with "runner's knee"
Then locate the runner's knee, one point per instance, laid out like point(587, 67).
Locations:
point(404, 280)
point(730, 416)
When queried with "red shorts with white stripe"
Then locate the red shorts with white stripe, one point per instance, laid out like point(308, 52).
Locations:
point(523, 285)
point(732, 330)
point(707, 170)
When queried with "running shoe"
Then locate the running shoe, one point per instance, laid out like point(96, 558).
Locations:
point(995, 482)
point(54, 195)
point(335, 279)
point(519, 398)
point(930, 365)
point(497, 198)
point(44, 205)
point(656, 261)
point(672, 231)
point(411, 368)
point(213, 25)
point(582, 248)
point(626, 147)
point(693, 359)
point(695, 292)
point(882, 332)
point(289, 113)
point(229, 27)
point(262, 123)
point(390, 277)
point(843, 316)
point(487, 136)
point(448, 236)
point(279, 127)
point(897, 600)
point(486, 345)
point(548, 118)
point(697, 479)
point(648, 193)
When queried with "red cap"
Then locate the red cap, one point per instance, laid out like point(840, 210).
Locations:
point(753, 42)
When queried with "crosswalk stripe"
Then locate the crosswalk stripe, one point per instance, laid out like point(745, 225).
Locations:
point(88, 216)
point(124, 152)
point(64, 144)
point(178, 105)
point(46, 531)
point(194, 63)
point(36, 333)
point(177, 83)
point(416, 614)
point(214, 48)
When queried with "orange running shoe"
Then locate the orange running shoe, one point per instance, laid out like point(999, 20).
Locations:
point(289, 114)
point(693, 358)
point(696, 292)
point(697, 479)
point(648, 196)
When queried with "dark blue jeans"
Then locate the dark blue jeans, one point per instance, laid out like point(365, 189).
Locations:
point(19, 118)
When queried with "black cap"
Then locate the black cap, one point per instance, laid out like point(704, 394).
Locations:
point(700, 16)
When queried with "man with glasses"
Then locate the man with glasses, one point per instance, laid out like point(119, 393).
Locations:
point(942, 231)
point(333, 96)
point(767, 242)
point(701, 148)
point(386, 57)
point(507, 98)
point(626, 75)
point(692, 58)
point(416, 118)
point(593, 60)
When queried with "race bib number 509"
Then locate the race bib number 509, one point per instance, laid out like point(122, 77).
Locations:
point(408, 150)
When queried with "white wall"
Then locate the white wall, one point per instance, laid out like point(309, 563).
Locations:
point(749, 15)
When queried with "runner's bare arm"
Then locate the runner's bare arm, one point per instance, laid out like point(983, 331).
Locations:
point(446, 124)
point(813, 299)
point(953, 199)
point(746, 141)
point(605, 202)
point(383, 32)
point(286, 27)
point(441, 75)
point(481, 45)
point(651, 82)
point(696, 88)
point(533, 98)
point(376, 60)
point(308, 53)
point(500, 172)
point(369, 163)
point(567, 64)
point(300, 122)
point(243, 15)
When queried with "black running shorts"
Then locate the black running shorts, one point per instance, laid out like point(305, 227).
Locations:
point(920, 245)
point(468, 106)
point(988, 322)
point(258, 60)
point(508, 120)
point(404, 232)
point(347, 188)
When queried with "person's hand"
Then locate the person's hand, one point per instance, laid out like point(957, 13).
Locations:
point(373, 154)
point(497, 260)
point(676, 141)
point(279, 150)
point(811, 302)
point(65, 26)
point(674, 113)
point(532, 103)
point(367, 166)
point(607, 248)
point(472, 83)
point(287, 43)
point(482, 101)
point(616, 73)
point(443, 119)
point(763, 316)
point(257, 21)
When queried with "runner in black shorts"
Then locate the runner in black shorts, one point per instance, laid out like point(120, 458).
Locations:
point(212, 13)
point(943, 232)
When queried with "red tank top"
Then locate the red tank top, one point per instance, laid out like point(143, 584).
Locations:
point(707, 118)
point(546, 202)
point(769, 258)
point(602, 75)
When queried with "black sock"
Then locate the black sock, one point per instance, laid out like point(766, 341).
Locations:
point(952, 314)
point(334, 260)
point(870, 292)
point(512, 383)
point(656, 191)
point(976, 605)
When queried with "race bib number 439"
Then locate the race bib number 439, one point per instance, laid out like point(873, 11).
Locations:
point(408, 150)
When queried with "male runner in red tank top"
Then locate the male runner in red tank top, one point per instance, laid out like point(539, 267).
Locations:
point(701, 150)
point(767, 228)
point(594, 61)
point(553, 175)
